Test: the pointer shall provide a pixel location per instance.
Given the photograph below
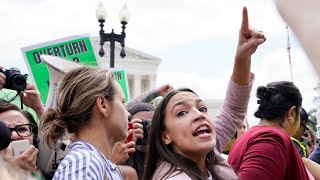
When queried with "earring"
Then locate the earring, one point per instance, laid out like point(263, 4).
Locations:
point(291, 120)
point(166, 140)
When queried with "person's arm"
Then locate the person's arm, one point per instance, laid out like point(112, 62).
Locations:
point(234, 108)
point(150, 95)
point(128, 172)
point(231, 113)
point(300, 16)
point(249, 41)
point(312, 167)
point(121, 150)
point(32, 99)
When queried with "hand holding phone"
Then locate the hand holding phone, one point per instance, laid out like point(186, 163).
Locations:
point(22, 154)
point(20, 146)
point(130, 136)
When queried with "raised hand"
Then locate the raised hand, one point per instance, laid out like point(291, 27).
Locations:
point(164, 89)
point(249, 40)
point(32, 99)
point(121, 150)
point(137, 129)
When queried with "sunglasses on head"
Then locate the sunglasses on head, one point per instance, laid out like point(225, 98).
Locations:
point(306, 129)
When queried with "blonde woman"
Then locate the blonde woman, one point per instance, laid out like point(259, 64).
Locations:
point(90, 105)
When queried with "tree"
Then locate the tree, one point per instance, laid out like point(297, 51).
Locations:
point(313, 111)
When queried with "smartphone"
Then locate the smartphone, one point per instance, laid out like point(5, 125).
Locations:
point(20, 146)
point(130, 137)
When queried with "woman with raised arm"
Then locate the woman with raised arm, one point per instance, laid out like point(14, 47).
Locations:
point(184, 142)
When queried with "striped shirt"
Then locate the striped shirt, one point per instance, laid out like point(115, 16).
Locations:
point(84, 161)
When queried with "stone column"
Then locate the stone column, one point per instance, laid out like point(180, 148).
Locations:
point(136, 85)
point(152, 81)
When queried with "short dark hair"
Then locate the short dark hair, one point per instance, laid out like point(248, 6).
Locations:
point(140, 106)
point(276, 99)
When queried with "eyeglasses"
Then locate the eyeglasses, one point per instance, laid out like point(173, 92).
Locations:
point(23, 130)
point(306, 129)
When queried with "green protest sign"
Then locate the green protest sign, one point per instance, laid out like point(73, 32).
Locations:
point(75, 48)
point(121, 77)
point(8, 94)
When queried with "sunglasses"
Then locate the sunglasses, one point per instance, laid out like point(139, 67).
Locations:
point(23, 130)
point(306, 129)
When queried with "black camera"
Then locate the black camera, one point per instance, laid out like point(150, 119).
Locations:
point(14, 79)
point(146, 124)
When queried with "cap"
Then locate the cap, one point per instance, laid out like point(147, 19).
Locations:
point(305, 117)
point(140, 106)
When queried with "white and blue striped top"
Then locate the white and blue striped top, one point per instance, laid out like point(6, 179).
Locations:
point(84, 161)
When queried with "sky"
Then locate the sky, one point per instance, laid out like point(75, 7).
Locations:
point(196, 40)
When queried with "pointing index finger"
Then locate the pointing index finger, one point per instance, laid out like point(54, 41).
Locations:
point(245, 22)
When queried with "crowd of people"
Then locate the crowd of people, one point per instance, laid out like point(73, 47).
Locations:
point(177, 139)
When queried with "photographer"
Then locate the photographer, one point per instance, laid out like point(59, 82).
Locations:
point(28, 92)
point(141, 112)
point(21, 123)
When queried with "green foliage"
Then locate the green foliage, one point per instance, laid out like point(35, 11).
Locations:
point(316, 99)
point(313, 112)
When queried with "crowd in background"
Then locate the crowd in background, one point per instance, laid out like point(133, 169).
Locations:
point(178, 139)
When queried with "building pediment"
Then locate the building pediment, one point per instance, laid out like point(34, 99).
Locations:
point(131, 54)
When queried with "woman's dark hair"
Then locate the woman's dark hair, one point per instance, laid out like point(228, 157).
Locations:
point(276, 99)
point(76, 97)
point(158, 152)
point(27, 115)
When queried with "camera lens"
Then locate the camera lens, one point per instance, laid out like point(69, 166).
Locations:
point(19, 82)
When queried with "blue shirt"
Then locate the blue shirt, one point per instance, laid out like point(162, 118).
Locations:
point(315, 155)
point(84, 161)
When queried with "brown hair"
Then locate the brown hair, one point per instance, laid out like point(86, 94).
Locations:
point(158, 152)
point(312, 134)
point(27, 115)
point(76, 97)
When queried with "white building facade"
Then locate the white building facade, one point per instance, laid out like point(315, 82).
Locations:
point(141, 70)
